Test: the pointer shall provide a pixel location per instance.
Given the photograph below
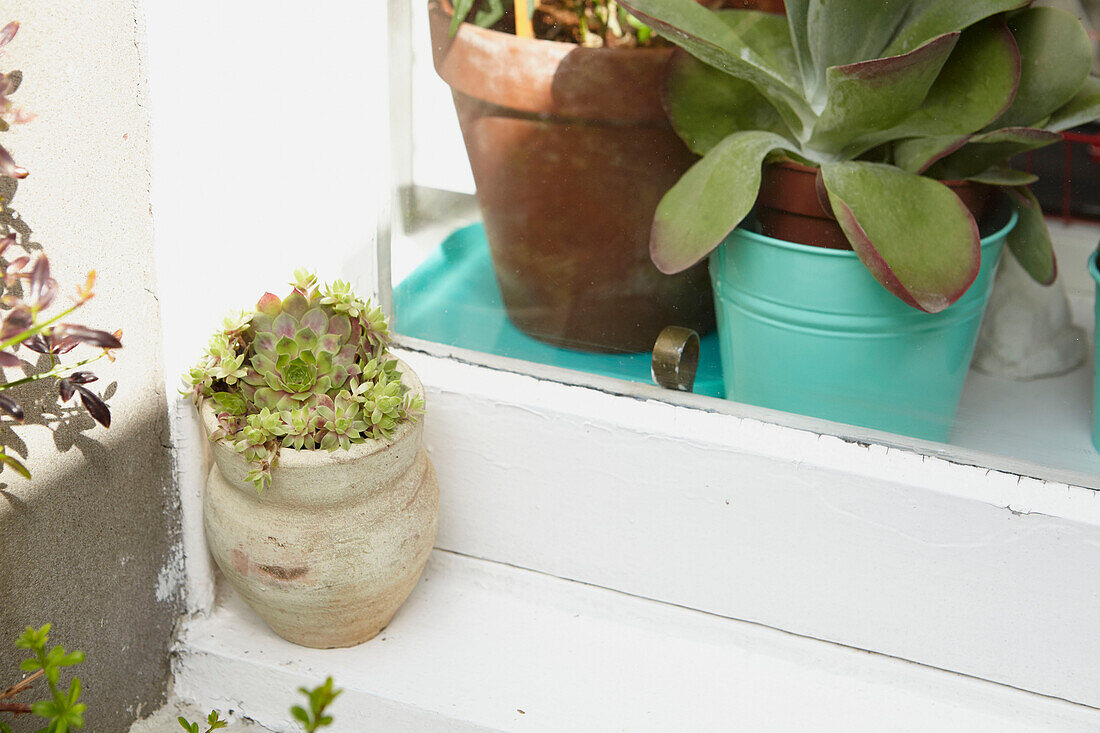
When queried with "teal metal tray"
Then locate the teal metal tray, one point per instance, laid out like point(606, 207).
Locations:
point(453, 298)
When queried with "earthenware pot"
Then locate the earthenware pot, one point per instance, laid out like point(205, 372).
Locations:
point(332, 548)
point(571, 151)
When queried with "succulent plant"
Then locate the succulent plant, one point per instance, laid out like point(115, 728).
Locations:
point(300, 351)
point(303, 372)
point(873, 94)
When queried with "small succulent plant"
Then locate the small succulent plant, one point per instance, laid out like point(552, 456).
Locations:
point(307, 371)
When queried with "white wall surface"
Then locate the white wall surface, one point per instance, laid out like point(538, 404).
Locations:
point(269, 152)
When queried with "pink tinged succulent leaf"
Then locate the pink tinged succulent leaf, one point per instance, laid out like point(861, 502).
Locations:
point(1029, 241)
point(284, 327)
point(912, 233)
point(296, 305)
point(710, 200)
point(286, 402)
point(8, 359)
point(271, 379)
point(270, 305)
point(870, 96)
point(306, 338)
point(8, 166)
point(264, 343)
point(286, 345)
point(346, 356)
point(261, 323)
point(340, 325)
point(315, 320)
point(330, 343)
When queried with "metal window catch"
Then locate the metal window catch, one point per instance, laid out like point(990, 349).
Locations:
point(676, 358)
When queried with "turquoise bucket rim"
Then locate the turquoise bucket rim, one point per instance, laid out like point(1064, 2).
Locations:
point(810, 249)
point(1093, 270)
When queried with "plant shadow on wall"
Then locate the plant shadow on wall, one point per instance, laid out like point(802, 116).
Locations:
point(32, 398)
point(29, 291)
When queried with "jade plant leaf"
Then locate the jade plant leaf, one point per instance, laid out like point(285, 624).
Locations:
point(797, 12)
point(875, 95)
point(1029, 241)
point(710, 200)
point(986, 150)
point(914, 235)
point(706, 105)
point(1002, 176)
point(704, 35)
point(843, 32)
point(1084, 107)
point(975, 86)
point(766, 34)
point(917, 154)
point(1056, 55)
point(930, 18)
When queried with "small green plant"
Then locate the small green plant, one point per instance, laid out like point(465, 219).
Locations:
point(319, 699)
point(62, 710)
point(592, 23)
point(873, 94)
point(312, 719)
point(213, 722)
point(305, 372)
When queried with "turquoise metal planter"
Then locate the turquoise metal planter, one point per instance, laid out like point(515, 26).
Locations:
point(1096, 361)
point(808, 330)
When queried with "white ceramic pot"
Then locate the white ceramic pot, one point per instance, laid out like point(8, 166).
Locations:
point(329, 551)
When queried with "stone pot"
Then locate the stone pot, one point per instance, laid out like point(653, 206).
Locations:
point(791, 207)
point(571, 151)
point(332, 548)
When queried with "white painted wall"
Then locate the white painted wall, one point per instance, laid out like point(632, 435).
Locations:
point(269, 152)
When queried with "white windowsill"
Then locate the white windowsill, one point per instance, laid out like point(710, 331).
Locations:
point(483, 646)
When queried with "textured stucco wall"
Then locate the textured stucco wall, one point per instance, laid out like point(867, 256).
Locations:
point(89, 543)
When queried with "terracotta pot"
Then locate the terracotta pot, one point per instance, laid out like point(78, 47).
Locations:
point(789, 205)
point(571, 151)
point(329, 551)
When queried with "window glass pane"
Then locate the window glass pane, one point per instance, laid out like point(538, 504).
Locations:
point(530, 175)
